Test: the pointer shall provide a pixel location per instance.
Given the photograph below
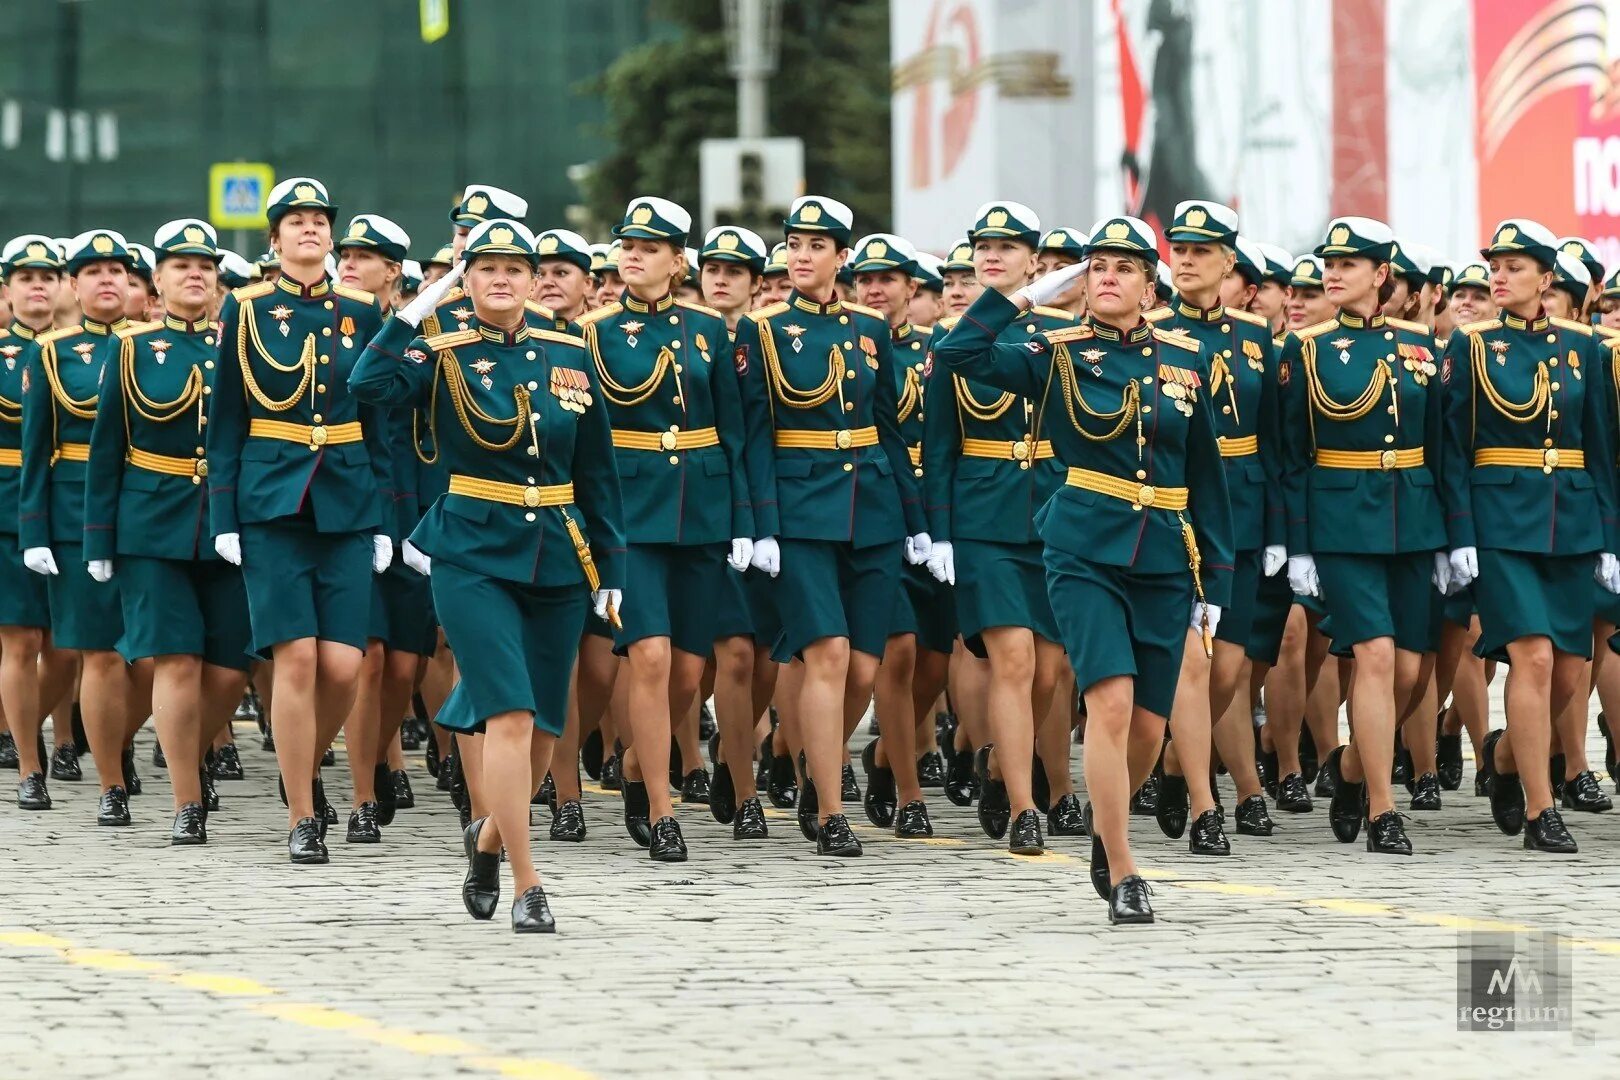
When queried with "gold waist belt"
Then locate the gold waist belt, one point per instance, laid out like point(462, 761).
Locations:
point(314, 436)
point(826, 440)
point(511, 494)
point(1546, 460)
point(1021, 450)
point(196, 468)
point(1242, 446)
point(71, 451)
point(666, 440)
point(11, 459)
point(1131, 491)
point(1371, 459)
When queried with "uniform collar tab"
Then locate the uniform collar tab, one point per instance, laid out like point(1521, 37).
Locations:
point(662, 304)
point(302, 291)
point(175, 322)
point(1198, 314)
point(804, 303)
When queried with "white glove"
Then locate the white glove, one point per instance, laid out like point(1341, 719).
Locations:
point(229, 547)
point(1302, 575)
point(742, 553)
point(412, 556)
point(382, 553)
point(942, 562)
point(1608, 572)
point(917, 548)
point(767, 556)
point(1199, 611)
point(101, 570)
point(422, 306)
point(1273, 559)
point(602, 599)
point(1464, 567)
point(40, 560)
point(1053, 285)
point(1442, 573)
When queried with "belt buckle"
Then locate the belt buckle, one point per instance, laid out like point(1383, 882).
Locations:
point(1549, 459)
point(199, 469)
point(1146, 495)
point(843, 440)
point(1020, 450)
point(667, 440)
point(1386, 460)
point(317, 436)
point(531, 496)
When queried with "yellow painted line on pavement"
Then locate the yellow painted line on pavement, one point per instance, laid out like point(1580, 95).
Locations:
point(270, 1002)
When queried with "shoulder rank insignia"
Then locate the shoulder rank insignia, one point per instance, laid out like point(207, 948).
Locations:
point(571, 388)
point(1180, 385)
point(1316, 329)
point(1178, 338)
point(1246, 316)
point(1581, 328)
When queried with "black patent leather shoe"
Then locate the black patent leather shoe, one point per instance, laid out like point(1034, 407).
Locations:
point(1555, 775)
point(636, 810)
point(8, 751)
point(931, 770)
point(590, 754)
point(65, 764)
point(382, 781)
point(1426, 792)
point(210, 793)
point(1547, 833)
point(159, 761)
point(911, 822)
point(132, 780)
point(328, 812)
point(568, 823)
point(1293, 797)
point(1145, 800)
point(190, 825)
point(749, 824)
point(32, 793)
point(329, 758)
point(481, 888)
point(304, 845)
point(1064, 819)
point(1128, 902)
point(1324, 783)
point(961, 785)
point(695, 787)
point(531, 914)
point(809, 809)
point(1482, 785)
point(1400, 769)
point(1208, 836)
point(782, 783)
point(706, 725)
point(113, 809)
point(879, 801)
point(404, 797)
point(667, 844)
point(1040, 788)
point(1610, 765)
point(1583, 793)
point(363, 825)
point(994, 808)
point(677, 772)
point(1386, 835)
point(227, 763)
point(612, 774)
point(1252, 817)
point(1309, 765)
point(1024, 836)
point(835, 837)
point(850, 790)
point(431, 756)
point(1170, 811)
point(722, 794)
point(762, 766)
point(1099, 857)
point(1266, 766)
point(1448, 761)
point(1344, 809)
point(1506, 793)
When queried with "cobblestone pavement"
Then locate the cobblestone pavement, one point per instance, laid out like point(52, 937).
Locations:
point(121, 956)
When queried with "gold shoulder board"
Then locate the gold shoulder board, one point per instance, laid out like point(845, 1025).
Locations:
point(598, 314)
point(1316, 329)
point(254, 291)
point(137, 328)
point(1062, 334)
point(864, 310)
point(1053, 313)
point(57, 335)
point(699, 308)
point(768, 312)
point(1157, 315)
point(1571, 324)
point(1180, 341)
point(367, 298)
point(1481, 327)
point(440, 342)
point(1248, 316)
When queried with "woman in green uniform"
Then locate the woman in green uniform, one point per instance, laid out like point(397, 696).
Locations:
point(1139, 537)
point(1529, 494)
point(1361, 433)
point(146, 517)
point(296, 467)
point(528, 537)
point(834, 499)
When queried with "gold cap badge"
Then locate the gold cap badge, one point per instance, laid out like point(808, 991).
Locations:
point(1573, 248)
point(304, 192)
point(36, 251)
point(548, 244)
point(810, 213)
point(357, 229)
point(194, 235)
point(477, 204)
point(1196, 218)
point(641, 215)
point(1117, 230)
point(500, 236)
point(996, 219)
point(103, 244)
point(1338, 236)
point(877, 249)
point(726, 242)
point(1058, 238)
point(1508, 235)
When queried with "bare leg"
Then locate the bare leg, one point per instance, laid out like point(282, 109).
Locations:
point(105, 697)
point(821, 718)
point(19, 692)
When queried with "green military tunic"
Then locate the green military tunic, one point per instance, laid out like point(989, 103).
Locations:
point(989, 468)
point(297, 465)
point(64, 385)
point(923, 605)
point(666, 378)
point(146, 497)
point(1528, 473)
point(1361, 425)
point(531, 520)
point(827, 466)
point(1129, 417)
point(1275, 597)
point(23, 598)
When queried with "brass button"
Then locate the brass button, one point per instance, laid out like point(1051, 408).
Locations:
point(844, 319)
point(916, 472)
point(1555, 386)
point(1030, 328)
point(320, 388)
point(1148, 351)
point(1147, 380)
point(667, 440)
point(1389, 335)
point(674, 460)
point(529, 355)
point(919, 414)
point(675, 344)
point(850, 374)
point(209, 340)
point(1141, 474)
point(1552, 339)
point(528, 516)
point(1146, 495)
point(916, 344)
point(200, 451)
point(1023, 465)
point(317, 418)
point(1226, 409)
point(325, 359)
point(200, 469)
point(1147, 408)
point(1389, 438)
point(534, 386)
point(676, 399)
point(1226, 328)
point(849, 406)
point(679, 368)
point(209, 364)
point(848, 467)
point(328, 305)
point(1553, 361)
point(326, 331)
point(1546, 442)
point(208, 389)
point(1553, 415)
point(849, 345)
point(675, 320)
point(196, 480)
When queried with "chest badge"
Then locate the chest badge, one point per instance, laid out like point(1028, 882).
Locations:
point(703, 346)
point(10, 353)
point(1094, 357)
point(346, 328)
point(160, 350)
point(571, 389)
point(85, 349)
point(795, 331)
point(482, 368)
point(869, 347)
point(1500, 348)
point(631, 328)
point(461, 315)
point(282, 313)
point(1254, 354)
point(1343, 345)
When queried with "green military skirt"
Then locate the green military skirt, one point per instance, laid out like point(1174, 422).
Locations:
point(176, 607)
point(1001, 585)
point(1116, 622)
point(834, 589)
point(515, 644)
point(1521, 595)
point(402, 610)
point(24, 595)
point(924, 607)
point(1606, 605)
point(673, 591)
point(1273, 600)
point(1374, 596)
point(1237, 619)
point(85, 613)
point(302, 583)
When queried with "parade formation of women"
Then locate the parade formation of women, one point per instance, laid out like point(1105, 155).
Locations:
point(1061, 486)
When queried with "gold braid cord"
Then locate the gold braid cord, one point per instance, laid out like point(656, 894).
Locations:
point(978, 409)
point(1130, 401)
point(10, 411)
point(467, 410)
point(159, 412)
point(1220, 374)
point(1518, 412)
point(911, 396)
point(84, 410)
point(618, 393)
point(433, 418)
point(791, 395)
point(1338, 411)
point(248, 329)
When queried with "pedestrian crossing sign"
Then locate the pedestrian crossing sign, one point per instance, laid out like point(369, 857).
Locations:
point(238, 192)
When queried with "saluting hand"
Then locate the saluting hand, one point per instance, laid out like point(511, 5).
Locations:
point(1049, 287)
point(422, 306)
point(40, 560)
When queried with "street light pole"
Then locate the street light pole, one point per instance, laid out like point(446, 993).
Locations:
point(752, 69)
